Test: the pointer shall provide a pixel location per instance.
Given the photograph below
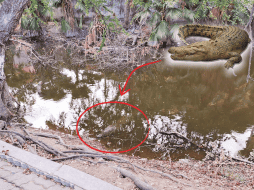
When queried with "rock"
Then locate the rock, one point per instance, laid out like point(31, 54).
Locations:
point(107, 132)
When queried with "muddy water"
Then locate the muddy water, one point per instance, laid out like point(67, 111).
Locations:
point(204, 102)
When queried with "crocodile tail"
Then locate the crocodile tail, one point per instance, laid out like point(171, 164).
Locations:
point(199, 30)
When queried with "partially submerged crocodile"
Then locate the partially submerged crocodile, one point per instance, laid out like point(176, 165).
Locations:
point(108, 131)
point(227, 42)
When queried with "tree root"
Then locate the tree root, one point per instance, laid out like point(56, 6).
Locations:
point(84, 152)
point(92, 154)
point(138, 182)
point(117, 159)
point(241, 160)
point(46, 147)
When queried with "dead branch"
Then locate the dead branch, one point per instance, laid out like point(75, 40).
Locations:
point(181, 137)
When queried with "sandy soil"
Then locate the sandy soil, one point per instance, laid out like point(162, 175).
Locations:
point(222, 173)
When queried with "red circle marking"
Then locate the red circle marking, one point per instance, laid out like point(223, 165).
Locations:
point(108, 151)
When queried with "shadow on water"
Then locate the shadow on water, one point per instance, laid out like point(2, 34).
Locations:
point(204, 104)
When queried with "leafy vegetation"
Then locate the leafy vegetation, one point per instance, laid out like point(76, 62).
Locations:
point(157, 12)
point(233, 11)
point(110, 22)
point(32, 15)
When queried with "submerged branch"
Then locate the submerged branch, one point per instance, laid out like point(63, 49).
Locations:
point(181, 137)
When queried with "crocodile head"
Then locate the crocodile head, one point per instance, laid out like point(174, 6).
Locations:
point(194, 52)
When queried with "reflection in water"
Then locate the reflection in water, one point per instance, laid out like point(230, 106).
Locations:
point(201, 103)
point(235, 142)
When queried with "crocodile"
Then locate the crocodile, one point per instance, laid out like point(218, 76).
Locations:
point(226, 42)
point(108, 131)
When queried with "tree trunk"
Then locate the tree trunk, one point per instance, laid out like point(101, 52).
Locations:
point(10, 13)
point(133, 11)
point(127, 14)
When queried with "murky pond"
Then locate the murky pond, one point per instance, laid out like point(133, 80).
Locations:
point(205, 103)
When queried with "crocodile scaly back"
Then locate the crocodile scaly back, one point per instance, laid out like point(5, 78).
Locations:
point(227, 42)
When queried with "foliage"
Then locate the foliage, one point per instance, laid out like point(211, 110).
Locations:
point(158, 12)
point(110, 22)
point(29, 23)
point(31, 17)
point(65, 25)
point(239, 12)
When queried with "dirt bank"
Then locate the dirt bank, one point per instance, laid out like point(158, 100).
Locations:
point(223, 173)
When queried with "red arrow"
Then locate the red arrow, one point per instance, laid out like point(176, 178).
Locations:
point(123, 92)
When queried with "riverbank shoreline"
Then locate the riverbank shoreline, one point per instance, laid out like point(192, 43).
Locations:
point(221, 173)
